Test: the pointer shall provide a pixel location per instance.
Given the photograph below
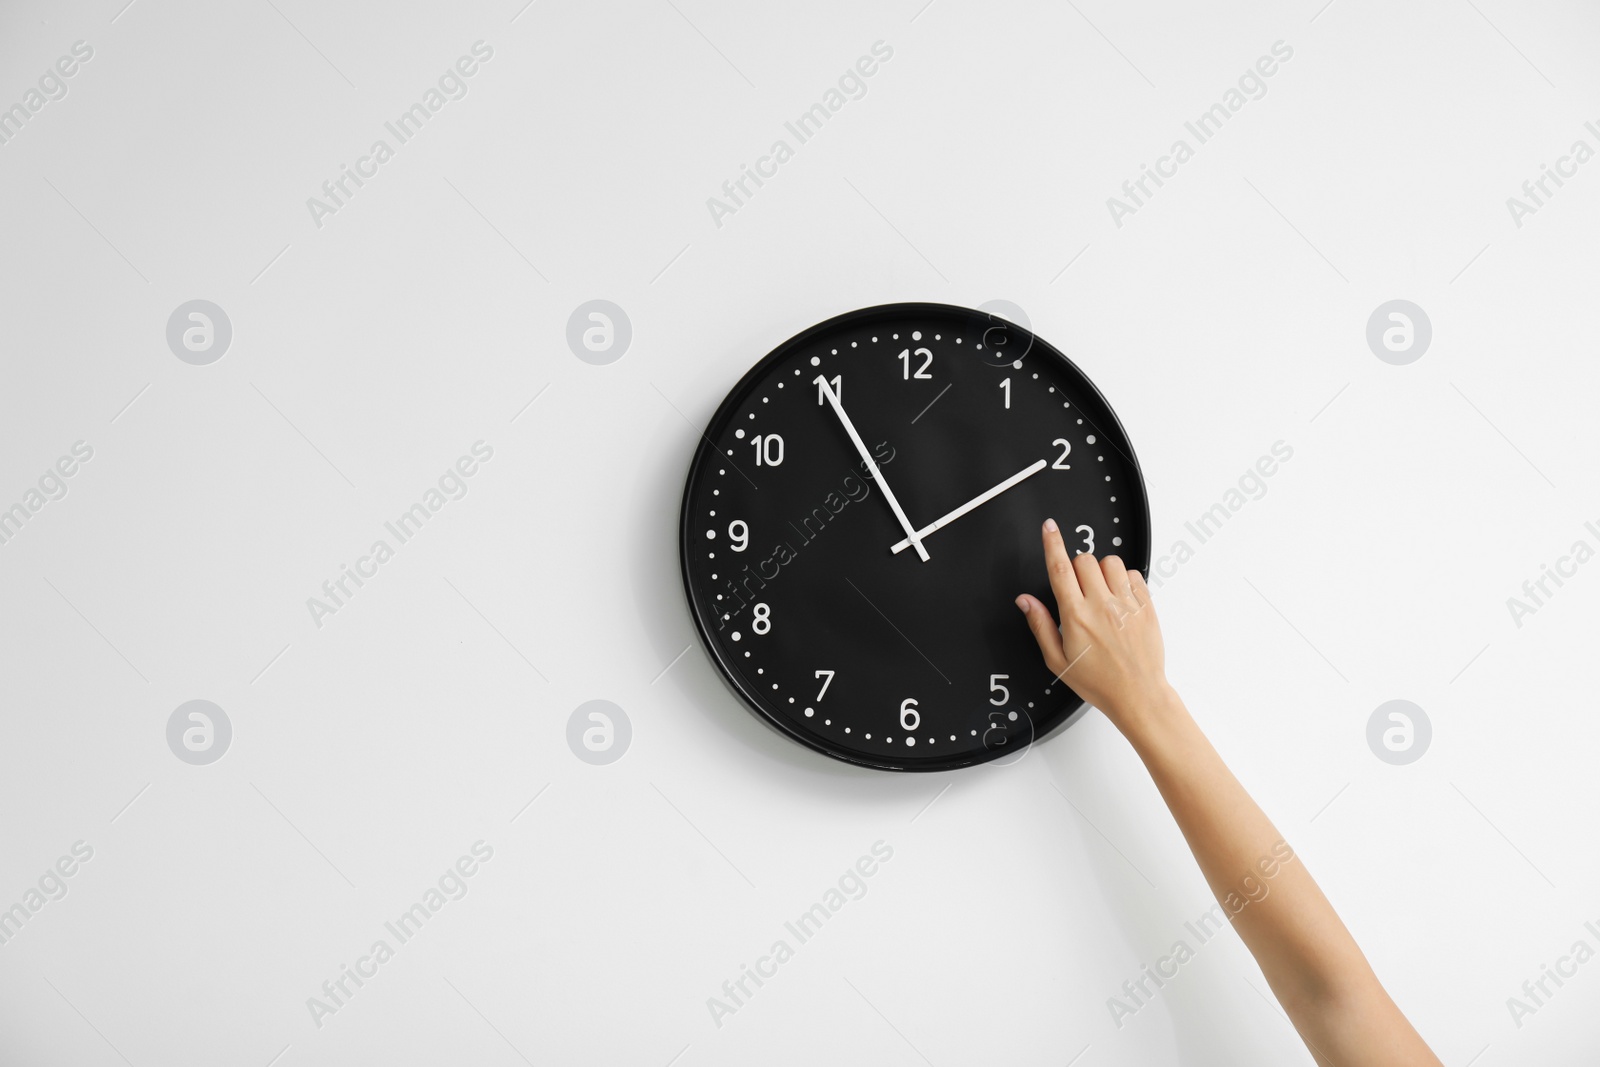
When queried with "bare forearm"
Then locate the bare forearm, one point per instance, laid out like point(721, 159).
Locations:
point(1108, 648)
point(1313, 964)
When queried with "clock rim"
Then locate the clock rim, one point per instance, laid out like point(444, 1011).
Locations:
point(737, 394)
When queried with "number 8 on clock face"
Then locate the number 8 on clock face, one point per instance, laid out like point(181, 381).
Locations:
point(863, 509)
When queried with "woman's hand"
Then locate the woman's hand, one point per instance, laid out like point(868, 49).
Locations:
point(1109, 650)
point(1108, 647)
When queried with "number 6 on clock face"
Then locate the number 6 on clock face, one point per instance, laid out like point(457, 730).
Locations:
point(961, 433)
point(910, 717)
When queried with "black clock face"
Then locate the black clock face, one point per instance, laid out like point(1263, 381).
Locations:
point(797, 553)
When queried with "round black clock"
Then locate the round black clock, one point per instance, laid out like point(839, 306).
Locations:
point(864, 508)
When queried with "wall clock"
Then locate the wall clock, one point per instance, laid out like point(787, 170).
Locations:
point(863, 509)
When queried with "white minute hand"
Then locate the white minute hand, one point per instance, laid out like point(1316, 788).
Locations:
point(982, 498)
point(912, 538)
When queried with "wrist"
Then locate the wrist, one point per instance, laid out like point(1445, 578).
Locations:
point(1151, 716)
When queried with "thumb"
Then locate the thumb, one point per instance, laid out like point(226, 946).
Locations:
point(1043, 625)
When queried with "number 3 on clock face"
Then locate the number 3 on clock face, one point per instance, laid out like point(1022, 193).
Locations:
point(863, 508)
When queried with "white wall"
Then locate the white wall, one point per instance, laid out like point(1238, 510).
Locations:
point(368, 353)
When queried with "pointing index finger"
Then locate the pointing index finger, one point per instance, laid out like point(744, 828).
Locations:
point(1058, 563)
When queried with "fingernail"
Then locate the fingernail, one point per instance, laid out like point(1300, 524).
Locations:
point(1022, 602)
point(1050, 526)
